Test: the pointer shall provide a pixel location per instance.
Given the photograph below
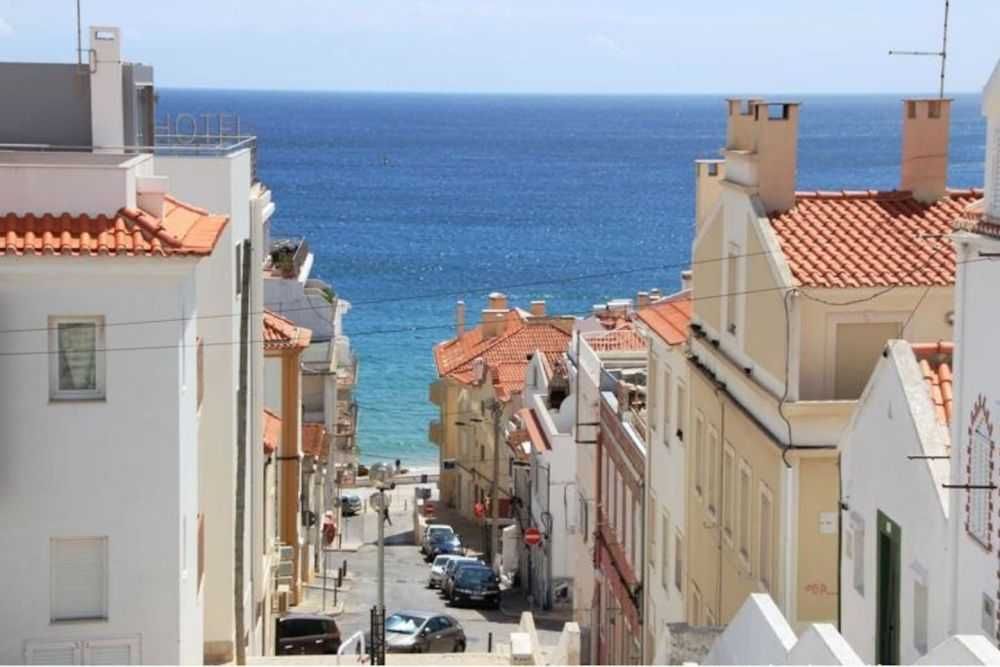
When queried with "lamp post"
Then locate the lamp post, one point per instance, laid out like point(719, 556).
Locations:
point(381, 476)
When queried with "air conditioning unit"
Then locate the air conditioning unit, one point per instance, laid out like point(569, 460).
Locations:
point(285, 569)
point(286, 552)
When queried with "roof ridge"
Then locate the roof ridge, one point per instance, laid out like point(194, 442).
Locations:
point(150, 224)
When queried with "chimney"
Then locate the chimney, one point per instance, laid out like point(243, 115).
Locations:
point(991, 109)
point(925, 148)
point(459, 318)
point(642, 299)
point(655, 294)
point(761, 149)
point(150, 194)
point(498, 301)
point(538, 308)
point(493, 322)
point(708, 177)
point(107, 106)
point(686, 276)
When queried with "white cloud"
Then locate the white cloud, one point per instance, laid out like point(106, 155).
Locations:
point(5, 28)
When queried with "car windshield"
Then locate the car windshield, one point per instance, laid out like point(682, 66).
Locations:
point(452, 564)
point(477, 575)
point(441, 561)
point(439, 531)
point(403, 623)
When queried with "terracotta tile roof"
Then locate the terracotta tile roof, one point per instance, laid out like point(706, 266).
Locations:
point(280, 333)
point(459, 351)
point(976, 220)
point(184, 230)
point(669, 317)
point(314, 440)
point(869, 238)
point(622, 339)
point(272, 431)
point(507, 354)
point(935, 361)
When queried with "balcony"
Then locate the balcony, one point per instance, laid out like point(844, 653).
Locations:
point(636, 417)
point(347, 373)
point(347, 419)
point(435, 433)
point(287, 257)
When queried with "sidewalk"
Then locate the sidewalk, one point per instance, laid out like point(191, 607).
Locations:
point(515, 602)
point(469, 530)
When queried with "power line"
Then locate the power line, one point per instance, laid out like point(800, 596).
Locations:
point(413, 297)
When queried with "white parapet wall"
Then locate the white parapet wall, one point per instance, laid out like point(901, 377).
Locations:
point(760, 635)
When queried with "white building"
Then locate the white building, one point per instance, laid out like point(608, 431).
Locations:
point(664, 324)
point(894, 507)
point(975, 502)
point(102, 272)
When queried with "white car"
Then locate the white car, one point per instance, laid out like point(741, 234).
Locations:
point(437, 568)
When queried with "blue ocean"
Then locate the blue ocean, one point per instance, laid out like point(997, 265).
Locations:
point(411, 201)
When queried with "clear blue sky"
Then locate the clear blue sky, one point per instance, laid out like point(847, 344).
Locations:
point(555, 46)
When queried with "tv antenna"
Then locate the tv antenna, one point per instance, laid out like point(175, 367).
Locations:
point(942, 54)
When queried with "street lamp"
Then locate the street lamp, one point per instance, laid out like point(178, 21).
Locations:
point(381, 475)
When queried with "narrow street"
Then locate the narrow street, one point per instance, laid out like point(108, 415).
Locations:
point(406, 582)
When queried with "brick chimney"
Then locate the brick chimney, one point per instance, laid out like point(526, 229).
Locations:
point(494, 322)
point(924, 169)
point(708, 177)
point(538, 308)
point(498, 301)
point(991, 109)
point(459, 318)
point(642, 299)
point(761, 149)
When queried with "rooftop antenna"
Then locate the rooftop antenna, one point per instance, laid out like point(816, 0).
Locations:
point(942, 54)
point(79, 36)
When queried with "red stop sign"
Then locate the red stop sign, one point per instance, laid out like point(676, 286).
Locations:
point(532, 536)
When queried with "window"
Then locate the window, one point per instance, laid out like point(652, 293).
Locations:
point(666, 407)
point(728, 492)
point(980, 456)
point(584, 518)
point(239, 268)
point(679, 561)
point(765, 529)
point(121, 651)
point(745, 505)
point(78, 579)
point(76, 359)
point(682, 408)
point(699, 465)
point(858, 530)
point(920, 616)
point(665, 572)
point(713, 473)
point(732, 287)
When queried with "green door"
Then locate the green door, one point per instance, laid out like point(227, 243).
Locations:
point(887, 635)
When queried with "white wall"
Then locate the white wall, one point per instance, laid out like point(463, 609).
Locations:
point(895, 419)
point(124, 467)
point(974, 569)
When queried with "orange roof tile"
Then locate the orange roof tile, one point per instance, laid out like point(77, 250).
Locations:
point(669, 317)
point(506, 354)
point(281, 333)
point(870, 238)
point(535, 432)
point(935, 361)
point(621, 339)
point(272, 431)
point(314, 441)
point(184, 230)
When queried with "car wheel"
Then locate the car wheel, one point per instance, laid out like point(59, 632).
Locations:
point(459, 647)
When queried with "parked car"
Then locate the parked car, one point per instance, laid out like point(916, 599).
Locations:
point(452, 569)
point(475, 585)
point(442, 543)
point(432, 530)
point(423, 632)
point(350, 505)
point(438, 566)
point(306, 634)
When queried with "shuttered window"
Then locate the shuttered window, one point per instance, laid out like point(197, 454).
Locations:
point(53, 653)
point(119, 651)
point(79, 579)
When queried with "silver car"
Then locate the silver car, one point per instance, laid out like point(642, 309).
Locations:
point(439, 565)
point(423, 632)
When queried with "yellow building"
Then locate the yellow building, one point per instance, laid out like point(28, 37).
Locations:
point(479, 369)
point(795, 295)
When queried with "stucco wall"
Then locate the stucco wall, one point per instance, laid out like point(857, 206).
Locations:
point(707, 273)
point(764, 338)
point(816, 580)
point(124, 467)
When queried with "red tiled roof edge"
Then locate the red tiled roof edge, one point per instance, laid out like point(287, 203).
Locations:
point(935, 360)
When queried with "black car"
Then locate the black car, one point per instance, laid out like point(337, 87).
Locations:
point(306, 634)
point(444, 544)
point(475, 585)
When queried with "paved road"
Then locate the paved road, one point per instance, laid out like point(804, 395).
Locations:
point(406, 586)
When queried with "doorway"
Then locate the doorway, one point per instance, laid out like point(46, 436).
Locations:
point(887, 586)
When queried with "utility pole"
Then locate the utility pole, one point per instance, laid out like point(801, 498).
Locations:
point(497, 409)
point(241, 454)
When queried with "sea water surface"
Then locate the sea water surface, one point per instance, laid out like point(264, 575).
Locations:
point(411, 201)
